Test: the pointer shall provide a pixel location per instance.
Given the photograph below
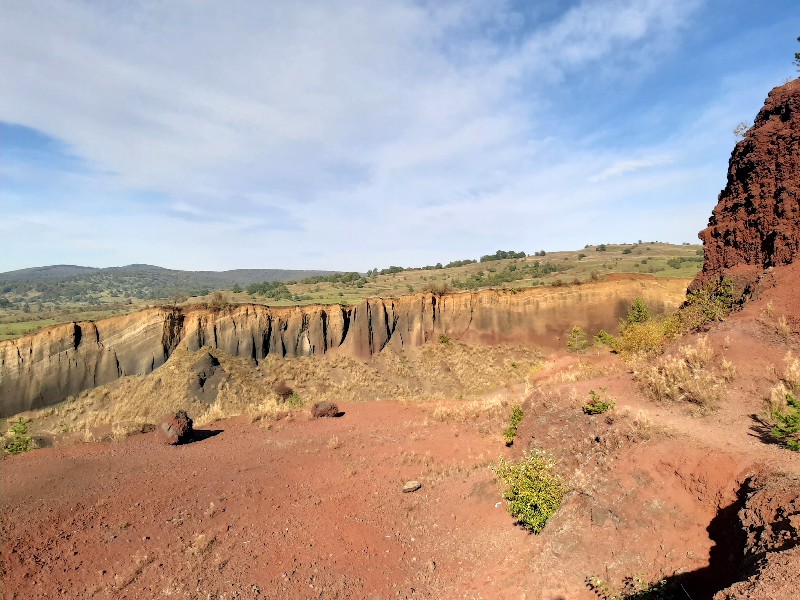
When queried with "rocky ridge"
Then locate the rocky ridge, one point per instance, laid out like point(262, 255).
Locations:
point(756, 223)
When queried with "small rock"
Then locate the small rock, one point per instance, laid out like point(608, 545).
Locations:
point(176, 428)
point(431, 566)
point(411, 486)
point(324, 409)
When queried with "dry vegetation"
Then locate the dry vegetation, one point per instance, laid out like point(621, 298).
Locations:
point(690, 374)
point(435, 372)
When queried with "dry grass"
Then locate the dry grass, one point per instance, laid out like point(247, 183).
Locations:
point(436, 372)
point(789, 384)
point(583, 371)
point(687, 376)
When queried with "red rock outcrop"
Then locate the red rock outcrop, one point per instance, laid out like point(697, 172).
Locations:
point(770, 521)
point(756, 223)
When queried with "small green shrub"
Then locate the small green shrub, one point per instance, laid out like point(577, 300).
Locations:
point(576, 340)
point(635, 588)
point(603, 338)
point(788, 424)
point(598, 405)
point(443, 339)
point(20, 440)
point(294, 401)
point(510, 432)
point(534, 490)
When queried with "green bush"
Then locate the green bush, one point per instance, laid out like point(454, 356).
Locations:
point(510, 432)
point(576, 340)
point(534, 490)
point(638, 312)
point(788, 424)
point(598, 405)
point(20, 441)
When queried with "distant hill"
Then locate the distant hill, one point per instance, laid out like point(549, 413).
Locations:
point(50, 272)
point(75, 283)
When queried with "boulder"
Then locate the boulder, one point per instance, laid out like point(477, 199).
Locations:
point(324, 409)
point(176, 428)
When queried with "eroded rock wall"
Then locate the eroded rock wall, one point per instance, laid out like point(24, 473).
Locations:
point(756, 223)
point(46, 367)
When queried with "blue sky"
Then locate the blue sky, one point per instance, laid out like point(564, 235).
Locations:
point(353, 134)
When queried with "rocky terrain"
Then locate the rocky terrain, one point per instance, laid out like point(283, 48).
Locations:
point(681, 489)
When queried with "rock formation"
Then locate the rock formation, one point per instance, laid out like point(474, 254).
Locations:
point(756, 223)
point(61, 361)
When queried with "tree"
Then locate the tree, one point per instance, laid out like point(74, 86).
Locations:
point(576, 341)
point(797, 57)
point(236, 289)
point(638, 313)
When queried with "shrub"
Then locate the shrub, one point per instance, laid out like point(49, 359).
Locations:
point(294, 401)
point(787, 427)
point(627, 251)
point(713, 302)
point(647, 338)
point(20, 440)
point(603, 338)
point(638, 312)
point(597, 405)
point(510, 432)
point(576, 340)
point(534, 490)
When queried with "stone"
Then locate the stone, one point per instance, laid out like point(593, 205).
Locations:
point(176, 428)
point(411, 486)
point(324, 409)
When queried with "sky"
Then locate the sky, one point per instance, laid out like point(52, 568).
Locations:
point(354, 134)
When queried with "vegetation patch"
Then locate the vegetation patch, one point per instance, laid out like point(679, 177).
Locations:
point(597, 404)
point(18, 441)
point(688, 376)
point(510, 432)
point(534, 491)
point(634, 588)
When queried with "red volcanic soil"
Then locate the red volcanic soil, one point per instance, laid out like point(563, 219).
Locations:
point(309, 509)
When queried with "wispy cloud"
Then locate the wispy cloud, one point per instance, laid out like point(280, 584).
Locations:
point(357, 130)
point(623, 167)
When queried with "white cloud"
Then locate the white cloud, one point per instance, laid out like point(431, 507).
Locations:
point(342, 128)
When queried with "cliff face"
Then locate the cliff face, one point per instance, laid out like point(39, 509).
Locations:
point(46, 367)
point(756, 223)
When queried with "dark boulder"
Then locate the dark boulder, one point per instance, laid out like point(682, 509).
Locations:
point(176, 428)
point(324, 409)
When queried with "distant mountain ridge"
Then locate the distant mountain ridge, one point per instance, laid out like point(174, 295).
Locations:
point(232, 276)
point(73, 283)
